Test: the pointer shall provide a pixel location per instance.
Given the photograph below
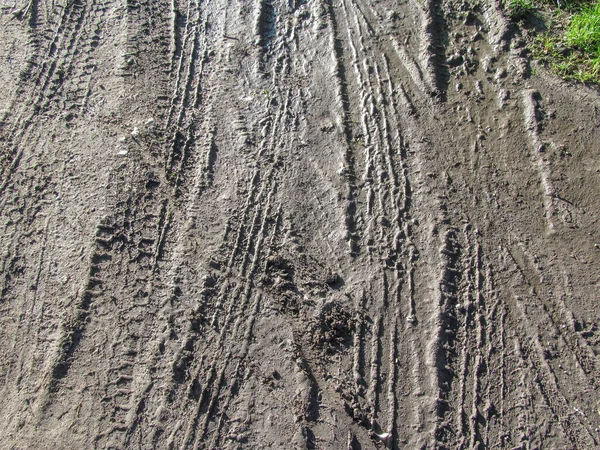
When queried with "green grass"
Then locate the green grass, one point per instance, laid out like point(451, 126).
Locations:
point(571, 46)
point(519, 9)
point(584, 31)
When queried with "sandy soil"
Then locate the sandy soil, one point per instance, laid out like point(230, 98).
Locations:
point(293, 224)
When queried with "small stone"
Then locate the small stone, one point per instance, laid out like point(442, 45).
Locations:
point(455, 60)
point(135, 131)
point(383, 436)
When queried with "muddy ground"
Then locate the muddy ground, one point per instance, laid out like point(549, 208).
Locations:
point(318, 224)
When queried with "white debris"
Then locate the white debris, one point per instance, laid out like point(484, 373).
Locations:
point(383, 436)
point(135, 131)
point(122, 152)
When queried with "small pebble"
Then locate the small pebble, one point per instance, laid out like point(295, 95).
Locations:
point(455, 60)
point(383, 436)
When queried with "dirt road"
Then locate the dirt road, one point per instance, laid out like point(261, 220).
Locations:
point(319, 224)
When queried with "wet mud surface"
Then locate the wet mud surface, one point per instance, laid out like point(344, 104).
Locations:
point(319, 224)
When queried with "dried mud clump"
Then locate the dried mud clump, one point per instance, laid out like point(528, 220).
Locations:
point(333, 328)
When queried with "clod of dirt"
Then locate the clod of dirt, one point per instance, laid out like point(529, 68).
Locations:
point(333, 280)
point(332, 329)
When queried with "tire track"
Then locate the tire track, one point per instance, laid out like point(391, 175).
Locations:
point(576, 428)
point(273, 223)
point(249, 231)
point(56, 66)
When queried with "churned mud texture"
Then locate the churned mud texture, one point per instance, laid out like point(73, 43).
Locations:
point(293, 224)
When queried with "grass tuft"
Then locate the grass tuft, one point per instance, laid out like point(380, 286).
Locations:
point(584, 31)
point(571, 45)
point(519, 9)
